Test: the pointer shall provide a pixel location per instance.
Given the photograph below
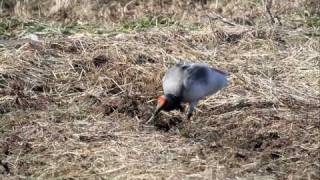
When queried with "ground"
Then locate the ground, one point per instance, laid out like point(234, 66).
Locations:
point(77, 85)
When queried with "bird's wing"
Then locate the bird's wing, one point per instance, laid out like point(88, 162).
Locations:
point(200, 81)
point(195, 83)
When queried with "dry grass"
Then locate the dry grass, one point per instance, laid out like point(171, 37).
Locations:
point(73, 107)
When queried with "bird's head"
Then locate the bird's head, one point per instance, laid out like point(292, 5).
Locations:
point(167, 102)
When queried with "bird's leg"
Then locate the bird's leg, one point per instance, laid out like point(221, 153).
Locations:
point(181, 108)
point(192, 106)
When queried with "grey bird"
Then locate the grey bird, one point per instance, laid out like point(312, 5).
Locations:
point(189, 83)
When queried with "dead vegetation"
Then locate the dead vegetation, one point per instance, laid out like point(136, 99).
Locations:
point(73, 106)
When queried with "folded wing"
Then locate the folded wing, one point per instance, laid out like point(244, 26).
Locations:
point(200, 81)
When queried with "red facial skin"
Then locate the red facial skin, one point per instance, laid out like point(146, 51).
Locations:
point(162, 100)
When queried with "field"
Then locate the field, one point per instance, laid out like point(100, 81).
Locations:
point(78, 79)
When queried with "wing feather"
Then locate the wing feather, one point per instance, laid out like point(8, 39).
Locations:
point(200, 81)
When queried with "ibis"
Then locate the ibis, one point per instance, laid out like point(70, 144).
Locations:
point(189, 83)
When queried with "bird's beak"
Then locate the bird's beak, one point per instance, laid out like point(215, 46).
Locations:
point(156, 112)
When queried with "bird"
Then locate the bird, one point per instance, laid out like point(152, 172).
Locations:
point(189, 83)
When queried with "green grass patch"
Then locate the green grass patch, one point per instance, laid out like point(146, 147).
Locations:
point(15, 28)
point(147, 22)
point(313, 21)
point(10, 27)
point(151, 21)
point(306, 20)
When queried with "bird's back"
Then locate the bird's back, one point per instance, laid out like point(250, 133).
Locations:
point(193, 81)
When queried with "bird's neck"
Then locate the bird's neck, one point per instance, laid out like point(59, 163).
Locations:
point(174, 98)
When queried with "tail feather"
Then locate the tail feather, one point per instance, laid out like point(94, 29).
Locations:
point(221, 72)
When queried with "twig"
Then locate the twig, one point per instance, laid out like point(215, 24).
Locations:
point(278, 19)
point(222, 19)
point(268, 9)
point(272, 17)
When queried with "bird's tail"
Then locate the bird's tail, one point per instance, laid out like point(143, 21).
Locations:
point(225, 73)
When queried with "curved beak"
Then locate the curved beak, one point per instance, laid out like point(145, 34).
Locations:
point(156, 112)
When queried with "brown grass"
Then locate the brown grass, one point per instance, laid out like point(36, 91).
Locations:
point(73, 107)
